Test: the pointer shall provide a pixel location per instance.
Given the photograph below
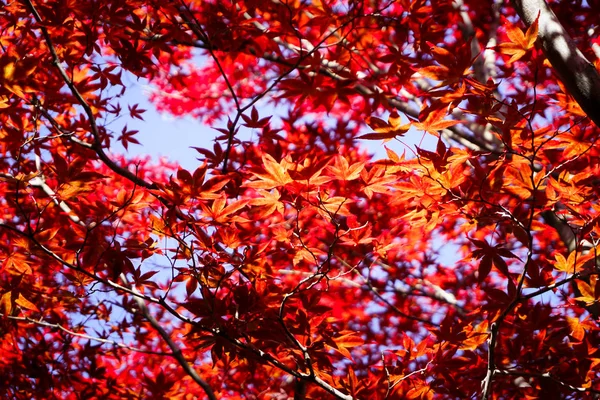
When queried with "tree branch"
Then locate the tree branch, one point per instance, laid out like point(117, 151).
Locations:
point(177, 353)
point(97, 140)
point(82, 335)
point(546, 375)
point(579, 76)
point(491, 367)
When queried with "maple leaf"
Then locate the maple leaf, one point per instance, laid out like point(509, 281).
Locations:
point(563, 264)
point(127, 137)
point(136, 112)
point(17, 264)
point(344, 171)
point(6, 303)
point(385, 130)
point(491, 255)
point(309, 171)
point(23, 302)
point(393, 156)
point(253, 121)
point(435, 72)
point(269, 202)
point(346, 340)
point(220, 212)
point(519, 43)
point(434, 121)
point(569, 265)
point(376, 180)
point(290, 246)
point(452, 66)
point(588, 290)
point(577, 329)
point(335, 205)
point(275, 175)
point(475, 336)
point(566, 101)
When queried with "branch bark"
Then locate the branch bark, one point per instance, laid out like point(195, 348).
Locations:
point(176, 350)
point(579, 76)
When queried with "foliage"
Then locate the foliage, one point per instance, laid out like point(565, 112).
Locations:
point(293, 264)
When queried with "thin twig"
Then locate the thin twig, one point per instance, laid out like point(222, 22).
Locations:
point(97, 144)
point(546, 375)
point(83, 335)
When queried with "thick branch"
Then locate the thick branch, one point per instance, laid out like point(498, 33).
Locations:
point(177, 353)
point(579, 76)
point(486, 384)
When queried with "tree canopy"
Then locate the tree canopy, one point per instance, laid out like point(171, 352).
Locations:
point(290, 262)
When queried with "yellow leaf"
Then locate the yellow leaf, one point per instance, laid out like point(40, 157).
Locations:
point(394, 120)
point(435, 72)
point(392, 155)
point(6, 304)
point(563, 264)
point(8, 73)
point(4, 102)
point(17, 264)
point(385, 130)
point(519, 43)
point(158, 225)
point(74, 188)
point(587, 293)
point(23, 302)
point(477, 336)
point(577, 331)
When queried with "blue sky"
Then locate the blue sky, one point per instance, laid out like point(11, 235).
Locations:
point(163, 135)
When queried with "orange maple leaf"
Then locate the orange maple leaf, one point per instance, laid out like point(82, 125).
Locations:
point(220, 212)
point(347, 340)
point(23, 302)
point(577, 330)
point(385, 130)
point(269, 201)
point(376, 180)
point(276, 174)
point(563, 264)
point(519, 43)
point(588, 295)
point(435, 122)
point(435, 72)
point(342, 170)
